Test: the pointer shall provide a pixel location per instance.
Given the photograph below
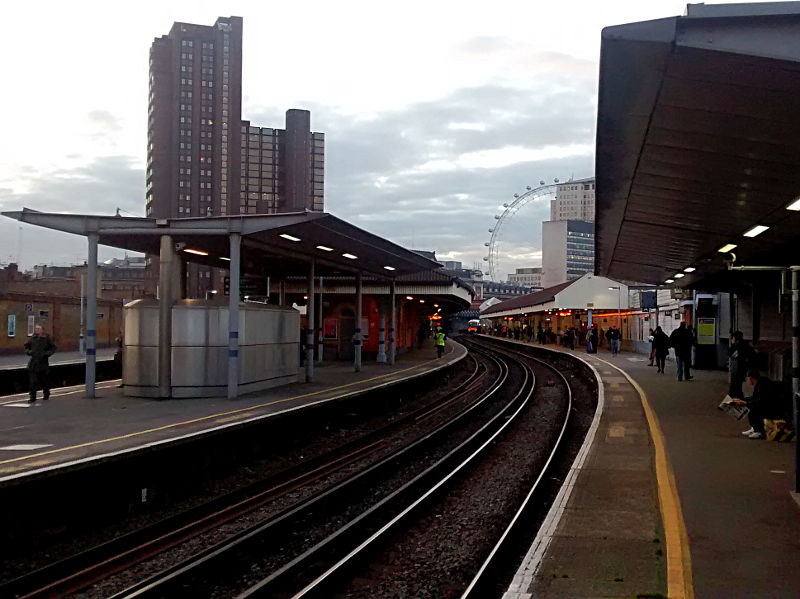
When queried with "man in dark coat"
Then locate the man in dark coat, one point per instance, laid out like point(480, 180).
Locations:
point(741, 357)
point(40, 347)
point(681, 340)
point(660, 348)
point(762, 404)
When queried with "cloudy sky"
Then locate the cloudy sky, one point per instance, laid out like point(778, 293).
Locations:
point(435, 113)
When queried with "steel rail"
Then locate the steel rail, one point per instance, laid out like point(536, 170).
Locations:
point(172, 579)
point(80, 570)
point(421, 489)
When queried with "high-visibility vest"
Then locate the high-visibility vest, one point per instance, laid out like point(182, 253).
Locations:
point(439, 338)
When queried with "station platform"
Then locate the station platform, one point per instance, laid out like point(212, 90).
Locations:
point(69, 429)
point(667, 498)
point(20, 361)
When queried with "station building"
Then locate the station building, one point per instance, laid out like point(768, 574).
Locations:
point(580, 303)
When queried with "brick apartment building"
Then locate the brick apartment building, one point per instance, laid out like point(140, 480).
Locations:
point(202, 158)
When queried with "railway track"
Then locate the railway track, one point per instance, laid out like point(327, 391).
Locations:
point(320, 545)
point(81, 570)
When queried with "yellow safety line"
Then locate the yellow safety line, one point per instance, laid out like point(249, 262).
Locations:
point(209, 417)
point(679, 558)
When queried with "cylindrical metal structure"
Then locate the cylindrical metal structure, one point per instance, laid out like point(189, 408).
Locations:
point(233, 315)
point(358, 336)
point(91, 316)
point(165, 300)
point(282, 293)
point(392, 322)
point(310, 325)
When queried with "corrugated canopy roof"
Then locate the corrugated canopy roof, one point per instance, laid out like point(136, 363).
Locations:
point(275, 244)
point(531, 300)
point(698, 140)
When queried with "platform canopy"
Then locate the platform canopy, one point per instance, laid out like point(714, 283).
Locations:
point(275, 244)
point(698, 141)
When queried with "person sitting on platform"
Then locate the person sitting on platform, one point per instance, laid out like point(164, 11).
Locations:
point(762, 404)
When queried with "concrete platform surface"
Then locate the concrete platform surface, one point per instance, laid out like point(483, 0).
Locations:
point(69, 427)
point(741, 527)
point(15, 361)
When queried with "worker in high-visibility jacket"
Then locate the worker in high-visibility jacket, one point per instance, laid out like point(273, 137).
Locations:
point(439, 337)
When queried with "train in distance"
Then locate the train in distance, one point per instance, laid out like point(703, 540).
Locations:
point(473, 326)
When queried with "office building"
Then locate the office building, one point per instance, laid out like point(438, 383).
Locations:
point(202, 158)
point(567, 250)
point(531, 277)
point(574, 201)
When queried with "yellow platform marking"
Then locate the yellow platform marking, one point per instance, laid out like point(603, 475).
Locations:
point(679, 559)
point(203, 418)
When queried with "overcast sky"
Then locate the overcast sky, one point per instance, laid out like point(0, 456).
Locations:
point(435, 113)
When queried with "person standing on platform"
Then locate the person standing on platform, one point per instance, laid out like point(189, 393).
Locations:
point(40, 347)
point(439, 337)
point(681, 341)
point(614, 338)
point(660, 348)
point(740, 359)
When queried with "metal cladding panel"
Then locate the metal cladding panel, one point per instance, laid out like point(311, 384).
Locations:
point(140, 366)
point(199, 366)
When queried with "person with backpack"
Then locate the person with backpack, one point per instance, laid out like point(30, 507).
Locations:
point(741, 358)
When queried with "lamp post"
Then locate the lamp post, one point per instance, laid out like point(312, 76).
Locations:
point(619, 305)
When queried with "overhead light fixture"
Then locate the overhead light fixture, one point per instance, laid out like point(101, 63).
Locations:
point(757, 230)
point(350, 256)
point(195, 252)
point(389, 268)
point(421, 301)
point(289, 237)
point(435, 305)
point(727, 248)
point(224, 258)
point(324, 248)
point(795, 205)
point(409, 297)
point(669, 281)
point(679, 275)
point(689, 269)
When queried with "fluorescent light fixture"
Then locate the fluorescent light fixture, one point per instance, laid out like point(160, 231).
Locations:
point(389, 268)
point(421, 301)
point(689, 269)
point(679, 275)
point(727, 248)
point(324, 248)
point(196, 252)
point(610, 289)
point(224, 258)
point(350, 256)
point(757, 230)
point(409, 297)
point(670, 281)
point(795, 205)
point(435, 305)
point(289, 237)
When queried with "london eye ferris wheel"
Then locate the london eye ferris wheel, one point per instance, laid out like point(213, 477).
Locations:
point(545, 192)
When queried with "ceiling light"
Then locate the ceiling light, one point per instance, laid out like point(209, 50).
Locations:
point(350, 256)
point(196, 252)
point(795, 205)
point(670, 281)
point(289, 237)
point(689, 269)
point(727, 248)
point(409, 297)
point(324, 248)
point(421, 301)
point(435, 305)
point(224, 258)
point(679, 275)
point(389, 268)
point(757, 230)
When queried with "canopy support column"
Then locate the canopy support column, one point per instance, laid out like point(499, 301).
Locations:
point(392, 322)
point(381, 359)
point(91, 317)
point(358, 336)
point(310, 324)
point(320, 344)
point(233, 315)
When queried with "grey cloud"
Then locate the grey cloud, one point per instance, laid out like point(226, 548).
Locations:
point(104, 120)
